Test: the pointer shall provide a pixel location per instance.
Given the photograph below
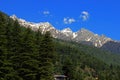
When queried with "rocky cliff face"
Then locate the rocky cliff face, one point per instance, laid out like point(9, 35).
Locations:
point(88, 36)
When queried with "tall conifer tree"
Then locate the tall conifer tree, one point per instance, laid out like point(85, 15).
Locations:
point(27, 56)
point(7, 71)
point(46, 57)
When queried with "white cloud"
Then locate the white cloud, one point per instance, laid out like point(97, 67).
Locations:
point(84, 15)
point(68, 20)
point(71, 20)
point(46, 12)
point(65, 21)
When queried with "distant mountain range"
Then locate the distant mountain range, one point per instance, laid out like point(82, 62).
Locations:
point(82, 36)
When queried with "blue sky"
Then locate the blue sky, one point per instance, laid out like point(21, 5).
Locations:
point(98, 16)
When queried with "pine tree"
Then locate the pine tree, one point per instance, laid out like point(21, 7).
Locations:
point(3, 24)
point(38, 38)
point(46, 57)
point(68, 68)
point(6, 69)
point(3, 50)
point(28, 62)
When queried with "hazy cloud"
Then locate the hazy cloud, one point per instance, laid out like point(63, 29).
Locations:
point(84, 15)
point(68, 20)
point(46, 12)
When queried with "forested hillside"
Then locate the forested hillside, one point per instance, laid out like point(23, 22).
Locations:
point(24, 54)
point(29, 55)
point(81, 62)
point(105, 56)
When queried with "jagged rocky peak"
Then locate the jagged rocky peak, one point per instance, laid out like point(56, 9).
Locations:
point(14, 17)
point(68, 30)
point(89, 37)
point(83, 30)
point(44, 26)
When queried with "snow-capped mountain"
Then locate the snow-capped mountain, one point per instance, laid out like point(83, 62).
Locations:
point(67, 31)
point(89, 37)
point(83, 35)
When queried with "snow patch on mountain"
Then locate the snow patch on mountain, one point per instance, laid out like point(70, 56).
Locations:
point(74, 35)
point(88, 39)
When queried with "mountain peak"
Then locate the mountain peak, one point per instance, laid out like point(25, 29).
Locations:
point(84, 30)
point(66, 30)
point(14, 17)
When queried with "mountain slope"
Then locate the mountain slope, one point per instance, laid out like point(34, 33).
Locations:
point(105, 56)
point(112, 46)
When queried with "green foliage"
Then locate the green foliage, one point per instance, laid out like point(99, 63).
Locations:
point(24, 54)
point(81, 62)
point(68, 68)
point(46, 57)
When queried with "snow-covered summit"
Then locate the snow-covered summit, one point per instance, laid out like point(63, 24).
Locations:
point(66, 30)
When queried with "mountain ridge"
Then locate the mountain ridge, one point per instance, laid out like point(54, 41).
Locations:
point(83, 35)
